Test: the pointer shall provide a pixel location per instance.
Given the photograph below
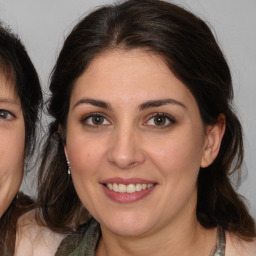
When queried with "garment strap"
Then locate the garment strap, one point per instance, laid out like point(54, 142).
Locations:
point(219, 249)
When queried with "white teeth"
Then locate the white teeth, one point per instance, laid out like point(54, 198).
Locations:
point(150, 185)
point(110, 186)
point(144, 186)
point(115, 187)
point(131, 188)
point(122, 188)
point(138, 187)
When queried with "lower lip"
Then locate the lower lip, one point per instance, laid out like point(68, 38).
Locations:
point(127, 197)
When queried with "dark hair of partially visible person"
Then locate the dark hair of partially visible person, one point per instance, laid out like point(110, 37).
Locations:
point(18, 70)
point(192, 54)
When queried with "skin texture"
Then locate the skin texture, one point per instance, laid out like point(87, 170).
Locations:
point(34, 240)
point(12, 137)
point(128, 144)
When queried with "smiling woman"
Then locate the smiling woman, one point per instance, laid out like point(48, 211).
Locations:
point(20, 98)
point(138, 133)
point(143, 138)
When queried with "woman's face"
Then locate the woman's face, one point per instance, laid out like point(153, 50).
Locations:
point(12, 143)
point(135, 142)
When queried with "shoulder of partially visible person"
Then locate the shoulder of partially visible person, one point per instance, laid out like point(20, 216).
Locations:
point(33, 239)
point(236, 246)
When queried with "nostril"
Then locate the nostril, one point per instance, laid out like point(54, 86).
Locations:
point(122, 164)
point(125, 152)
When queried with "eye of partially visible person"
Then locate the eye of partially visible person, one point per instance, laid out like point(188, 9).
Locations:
point(4, 114)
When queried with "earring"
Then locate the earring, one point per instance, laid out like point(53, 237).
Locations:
point(69, 168)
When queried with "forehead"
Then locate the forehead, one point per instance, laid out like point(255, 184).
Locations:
point(7, 88)
point(129, 75)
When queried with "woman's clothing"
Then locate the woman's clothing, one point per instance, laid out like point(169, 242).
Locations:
point(85, 241)
point(81, 243)
point(219, 249)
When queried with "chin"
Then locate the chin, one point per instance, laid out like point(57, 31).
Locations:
point(127, 230)
point(127, 225)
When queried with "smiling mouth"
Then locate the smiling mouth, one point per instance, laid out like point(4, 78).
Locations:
point(130, 188)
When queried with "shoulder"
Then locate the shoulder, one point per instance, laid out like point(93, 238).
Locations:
point(235, 246)
point(32, 239)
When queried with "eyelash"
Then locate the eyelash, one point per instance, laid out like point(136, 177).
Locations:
point(4, 114)
point(167, 118)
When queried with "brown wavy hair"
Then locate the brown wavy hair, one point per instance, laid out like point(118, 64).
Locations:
point(17, 68)
point(191, 52)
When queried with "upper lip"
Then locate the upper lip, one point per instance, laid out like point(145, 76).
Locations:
point(127, 181)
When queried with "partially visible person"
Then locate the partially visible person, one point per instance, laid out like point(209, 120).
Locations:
point(20, 101)
point(143, 139)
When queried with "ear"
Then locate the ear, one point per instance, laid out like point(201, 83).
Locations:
point(214, 135)
point(61, 133)
point(66, 152)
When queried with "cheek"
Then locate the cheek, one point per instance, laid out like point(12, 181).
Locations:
point(179, 155)
point(12, 151)
point(84, 155)
point(11, 166)
point(178, 160)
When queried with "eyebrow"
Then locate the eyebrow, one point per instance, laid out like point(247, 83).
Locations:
point(143, 106)
point(97, 103)
point(159, 103)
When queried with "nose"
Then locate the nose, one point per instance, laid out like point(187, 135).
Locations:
point(125, 150)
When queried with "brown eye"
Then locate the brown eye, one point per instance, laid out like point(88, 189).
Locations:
point(95, 120)
point(160, 120)
point(98, 120)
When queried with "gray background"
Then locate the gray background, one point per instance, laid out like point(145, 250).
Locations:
point(43, 25)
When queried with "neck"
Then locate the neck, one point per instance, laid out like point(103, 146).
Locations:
point(189, 239)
